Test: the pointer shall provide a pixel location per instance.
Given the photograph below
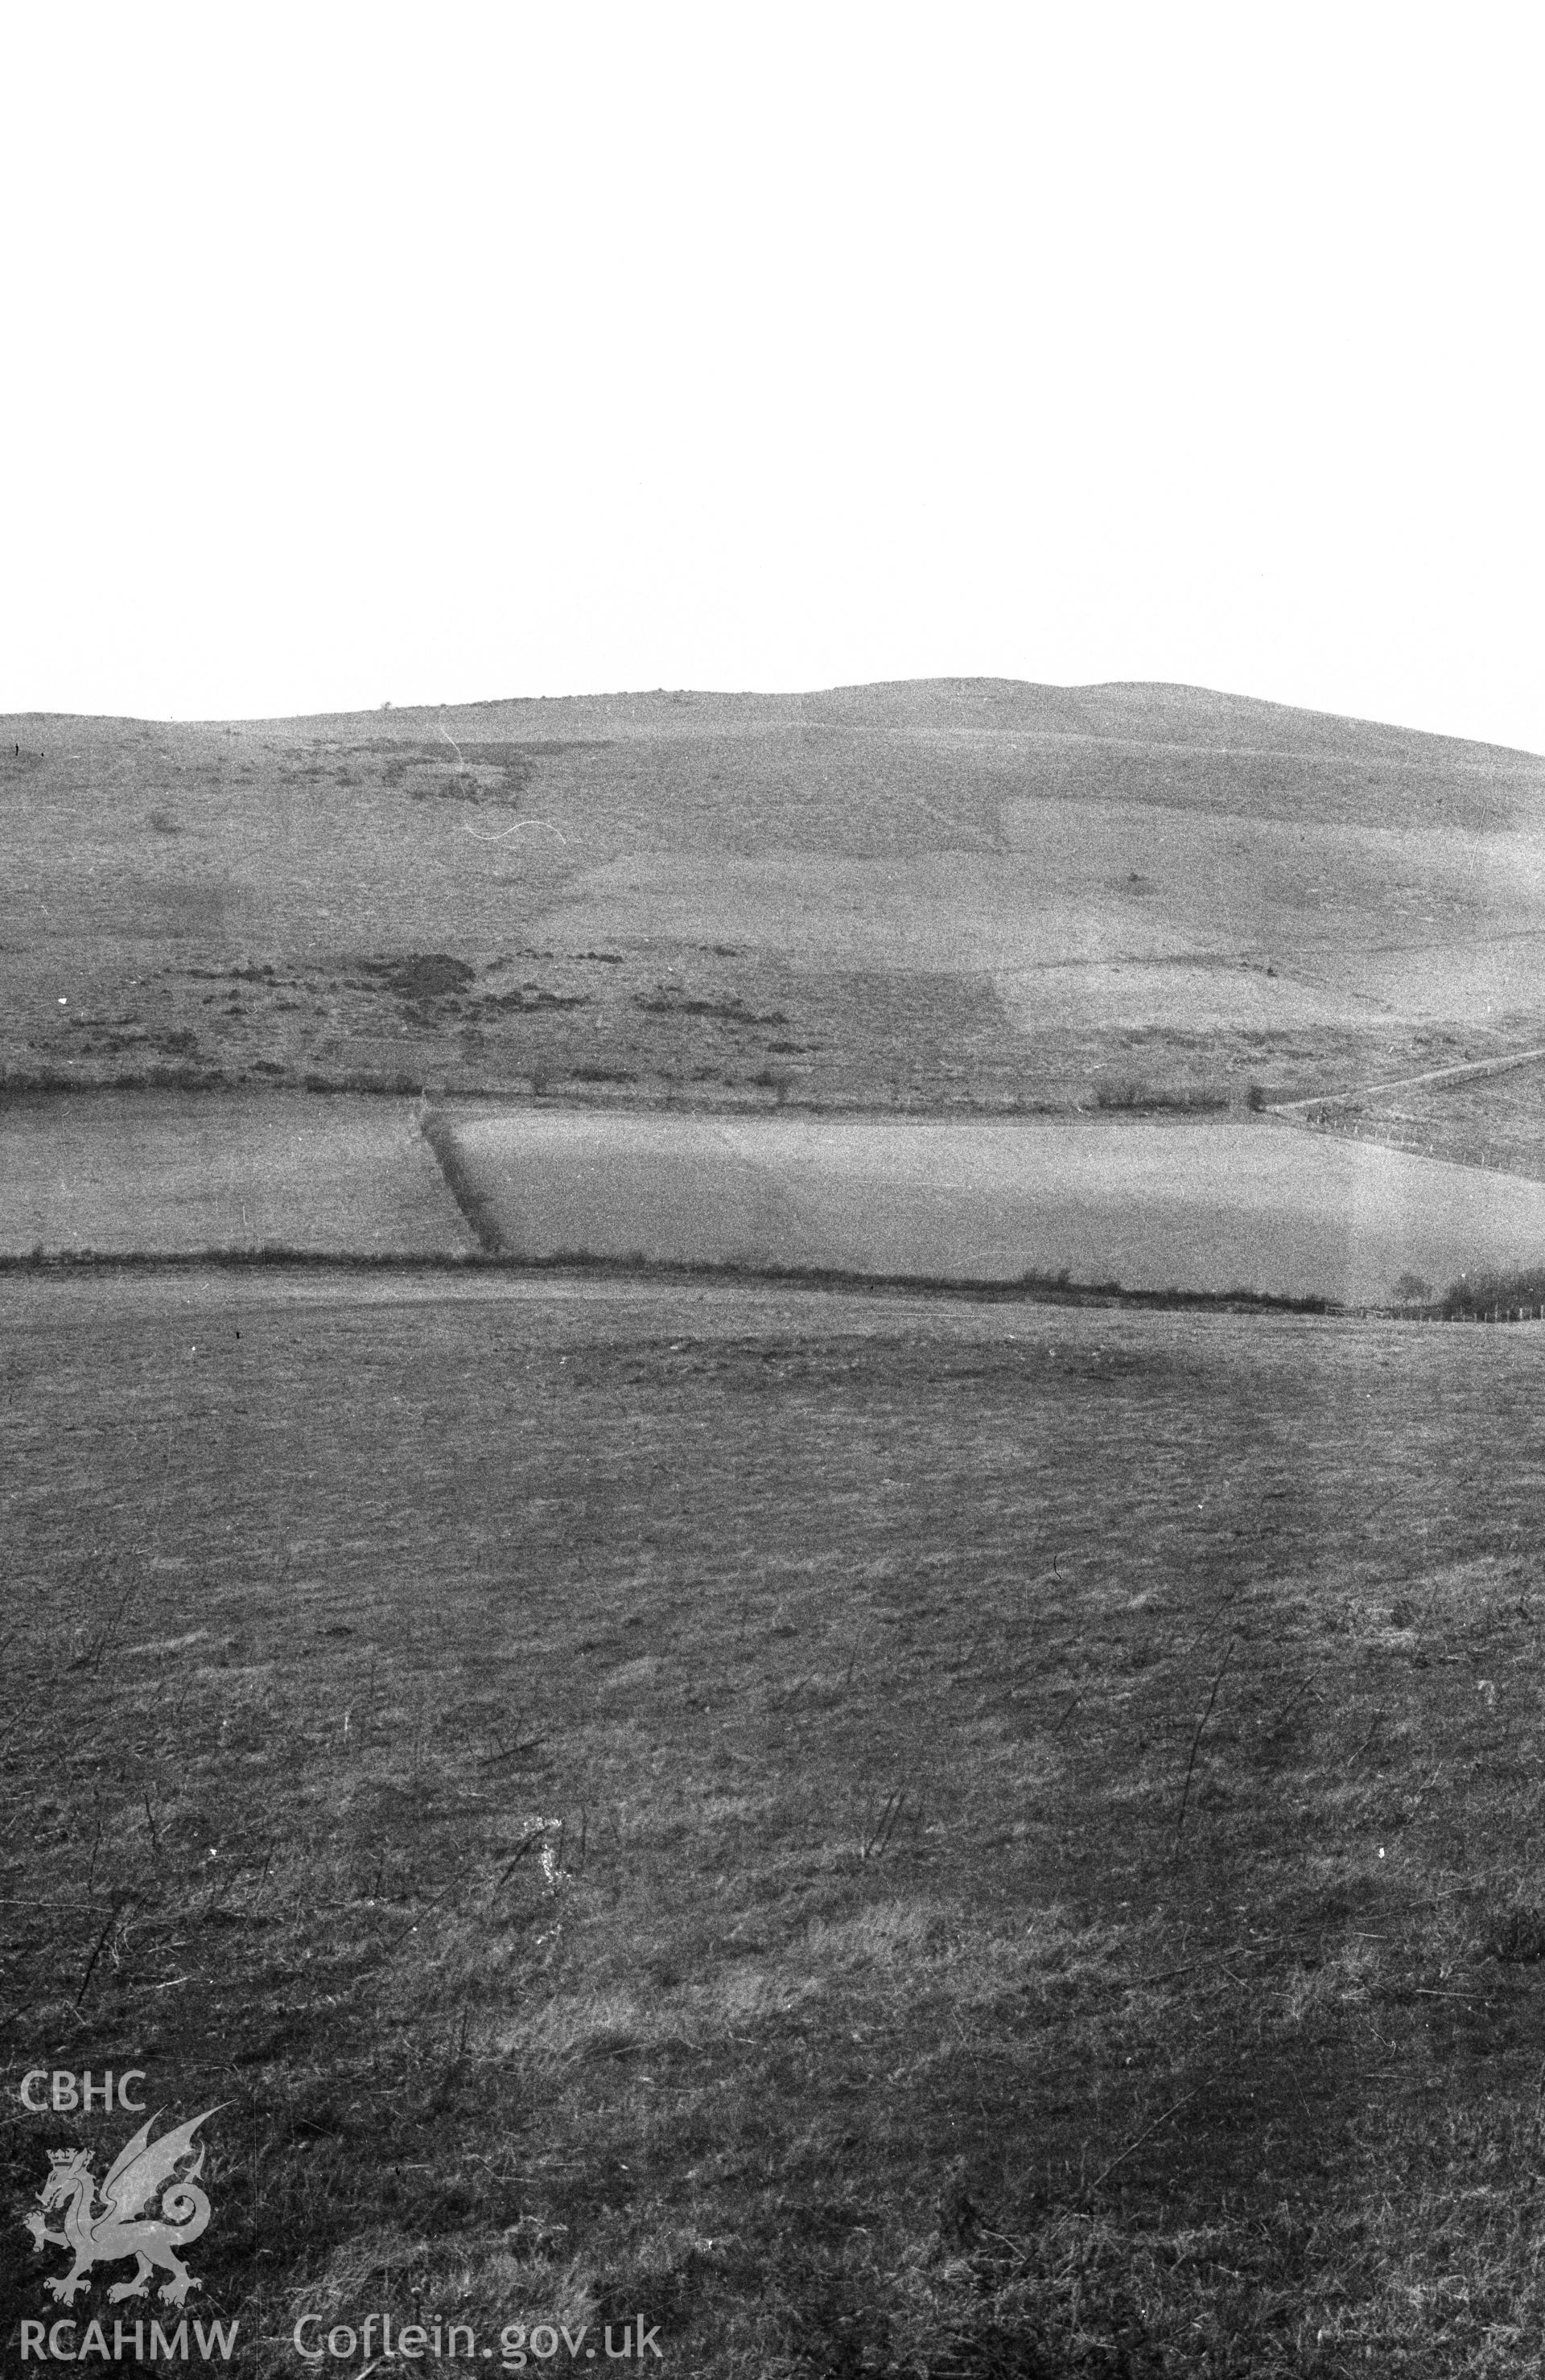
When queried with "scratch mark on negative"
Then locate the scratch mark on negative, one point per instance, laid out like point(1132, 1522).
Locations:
point(520, 826)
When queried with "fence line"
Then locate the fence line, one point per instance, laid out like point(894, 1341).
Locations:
point(1461, 1313)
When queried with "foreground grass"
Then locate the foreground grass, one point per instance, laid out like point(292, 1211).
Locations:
point(883, 1837)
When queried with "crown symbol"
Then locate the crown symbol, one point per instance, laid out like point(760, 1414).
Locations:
point(67, 2157)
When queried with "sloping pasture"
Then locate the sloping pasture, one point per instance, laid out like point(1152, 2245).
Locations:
point(161, 1173)
point(906, 896)
point(1215, 1208)
point(1042, 1815)
point(1486, 1120)
point(1176, 912)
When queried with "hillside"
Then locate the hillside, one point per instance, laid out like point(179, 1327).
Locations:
point(920, 895)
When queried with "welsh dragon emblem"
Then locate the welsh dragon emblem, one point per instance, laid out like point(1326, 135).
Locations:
point(121, 2224)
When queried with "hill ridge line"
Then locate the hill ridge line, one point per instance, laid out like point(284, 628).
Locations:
point(410, 714)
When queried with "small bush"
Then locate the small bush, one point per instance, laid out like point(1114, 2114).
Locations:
point(1479, 1292)
point(421, 975)
point(1129, 1094)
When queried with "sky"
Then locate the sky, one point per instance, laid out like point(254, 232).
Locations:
point(359, 355)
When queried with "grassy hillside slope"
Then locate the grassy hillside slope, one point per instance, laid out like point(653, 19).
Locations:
point(884, 1837)
point(912, 895)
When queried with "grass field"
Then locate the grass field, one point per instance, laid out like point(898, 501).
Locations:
point(1495, 1121)
point(884, 1837)
point(1208, 1208)
point(916, 897)
point(1259, 1207)
point(130, 1172)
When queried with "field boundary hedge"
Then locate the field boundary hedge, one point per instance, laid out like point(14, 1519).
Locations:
point(476, 1209)
point(1033, 1289)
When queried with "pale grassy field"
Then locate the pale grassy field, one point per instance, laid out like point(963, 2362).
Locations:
point(144, 1171)
point(1259, 1206)
point(1177, 914)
